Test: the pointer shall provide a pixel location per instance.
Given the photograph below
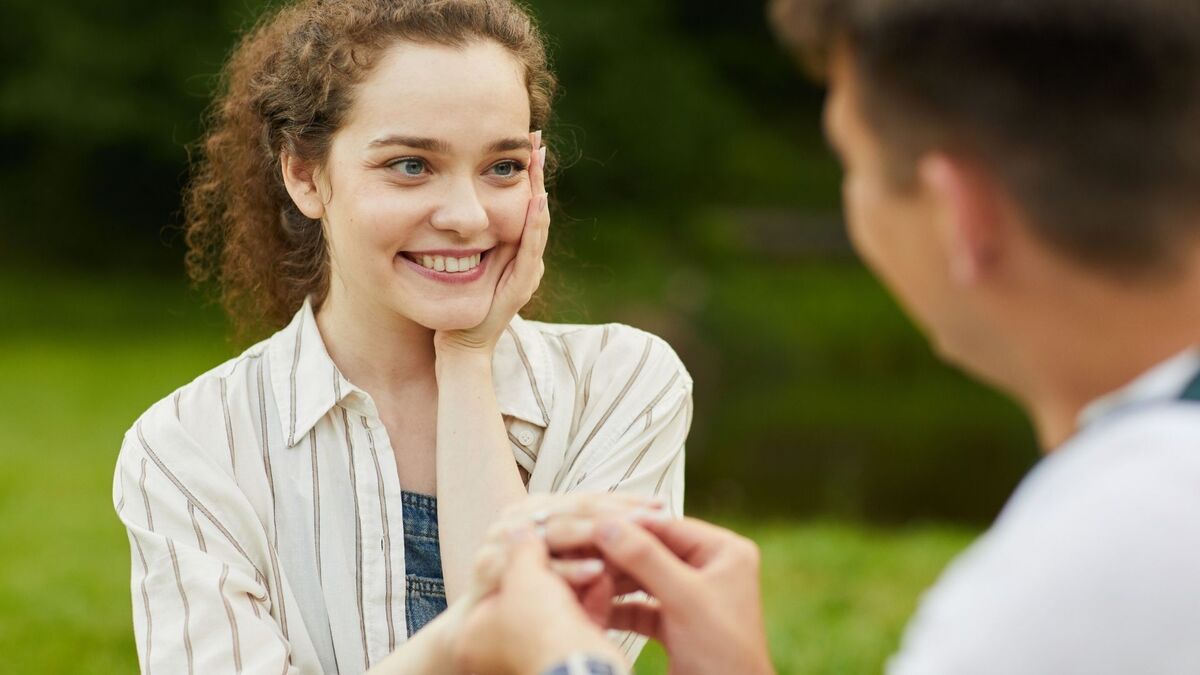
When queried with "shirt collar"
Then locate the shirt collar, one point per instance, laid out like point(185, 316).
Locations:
point(308, 383)
point(1166, 380)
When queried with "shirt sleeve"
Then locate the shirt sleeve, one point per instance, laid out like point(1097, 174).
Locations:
point(202, 601)
point(633, 430)
point(634, 423)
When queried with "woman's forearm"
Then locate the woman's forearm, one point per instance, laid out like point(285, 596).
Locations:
point(476, 474)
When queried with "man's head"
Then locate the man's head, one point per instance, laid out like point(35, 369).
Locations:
point(994, 147)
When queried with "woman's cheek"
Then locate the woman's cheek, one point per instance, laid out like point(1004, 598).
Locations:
point(510, 217)
point(391, 220)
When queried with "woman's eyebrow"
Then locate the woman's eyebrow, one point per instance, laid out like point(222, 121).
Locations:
point(510, 144)
point(429, 144)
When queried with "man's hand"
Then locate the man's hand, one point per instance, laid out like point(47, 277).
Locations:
point(533, 620)
point(567, 526)
point(705, 579)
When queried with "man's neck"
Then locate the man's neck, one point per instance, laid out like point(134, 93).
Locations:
point(1103, 337)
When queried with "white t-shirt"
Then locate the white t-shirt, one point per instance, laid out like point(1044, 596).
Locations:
point(1094, 565)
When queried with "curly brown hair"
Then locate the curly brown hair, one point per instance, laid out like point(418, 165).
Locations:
point(288, 86)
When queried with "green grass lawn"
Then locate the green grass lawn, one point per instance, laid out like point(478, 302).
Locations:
point(76, 373)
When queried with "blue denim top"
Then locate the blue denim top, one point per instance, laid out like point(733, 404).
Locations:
point(425, 589)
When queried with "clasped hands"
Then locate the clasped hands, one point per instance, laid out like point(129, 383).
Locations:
point(554, 571)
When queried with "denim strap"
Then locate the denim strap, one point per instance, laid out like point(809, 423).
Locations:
point(1192, 391)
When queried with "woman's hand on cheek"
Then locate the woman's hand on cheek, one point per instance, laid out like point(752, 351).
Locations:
point(522, 275)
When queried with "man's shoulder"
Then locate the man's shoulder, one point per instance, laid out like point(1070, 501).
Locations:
point(1142, 454)
point(1132, 479)
point(1095, 555)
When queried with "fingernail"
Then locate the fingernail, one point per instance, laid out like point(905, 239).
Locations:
point(591, 567)
point(583, 529)
point(647, 516)
point(537, 143)
point(520, 533)
point(542, 152)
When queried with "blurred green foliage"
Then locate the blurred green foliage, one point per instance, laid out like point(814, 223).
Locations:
point(666, 106)
point(697, 201)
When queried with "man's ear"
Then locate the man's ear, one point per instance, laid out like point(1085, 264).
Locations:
point(300, 178)
point(968, 218)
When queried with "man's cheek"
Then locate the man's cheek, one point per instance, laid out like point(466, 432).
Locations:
point(857, 220)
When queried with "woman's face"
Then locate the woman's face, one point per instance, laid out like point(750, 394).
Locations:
point(425, 188)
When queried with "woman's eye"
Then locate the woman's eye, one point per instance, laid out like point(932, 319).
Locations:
point(507, 169)
point(410, 167)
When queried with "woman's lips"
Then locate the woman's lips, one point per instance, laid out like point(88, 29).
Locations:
point(448, 262)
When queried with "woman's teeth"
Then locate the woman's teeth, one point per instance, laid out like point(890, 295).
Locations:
point(439, 263)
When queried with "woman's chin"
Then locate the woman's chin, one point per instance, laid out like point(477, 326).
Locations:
point(452, 318)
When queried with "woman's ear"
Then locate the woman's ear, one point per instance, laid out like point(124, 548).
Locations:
point(968, 219)
point(300, 178)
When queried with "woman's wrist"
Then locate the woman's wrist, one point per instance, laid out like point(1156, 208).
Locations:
point(441, 634)
point(453, 361)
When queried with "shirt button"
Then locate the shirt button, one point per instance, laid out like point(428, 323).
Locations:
point(526, 437)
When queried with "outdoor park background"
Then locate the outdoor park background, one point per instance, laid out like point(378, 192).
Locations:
point(698, 201)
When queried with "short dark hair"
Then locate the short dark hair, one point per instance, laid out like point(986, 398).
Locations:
point(1088, 111)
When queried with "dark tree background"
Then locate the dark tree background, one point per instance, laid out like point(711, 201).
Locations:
point(698, 201)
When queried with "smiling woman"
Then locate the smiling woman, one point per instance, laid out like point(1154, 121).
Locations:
point(372, 188)
point(448, 180)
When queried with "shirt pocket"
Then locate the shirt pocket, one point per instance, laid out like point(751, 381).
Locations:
point(425, 599)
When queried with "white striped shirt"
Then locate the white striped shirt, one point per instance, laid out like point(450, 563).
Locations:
point(262, 500)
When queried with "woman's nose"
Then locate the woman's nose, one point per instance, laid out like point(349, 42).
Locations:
point(460, 210)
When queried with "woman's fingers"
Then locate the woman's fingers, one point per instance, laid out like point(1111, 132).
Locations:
point(578, 573)
point(573, 530)
point(537, 165)
point(566, 526)
point(524, 273)
point(490, 562)
point(542, 508)
point(568, 533)
point(544, 211)
point(537, 217)
point(533, 237)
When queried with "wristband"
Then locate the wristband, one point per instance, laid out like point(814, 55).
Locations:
point(584, 664)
